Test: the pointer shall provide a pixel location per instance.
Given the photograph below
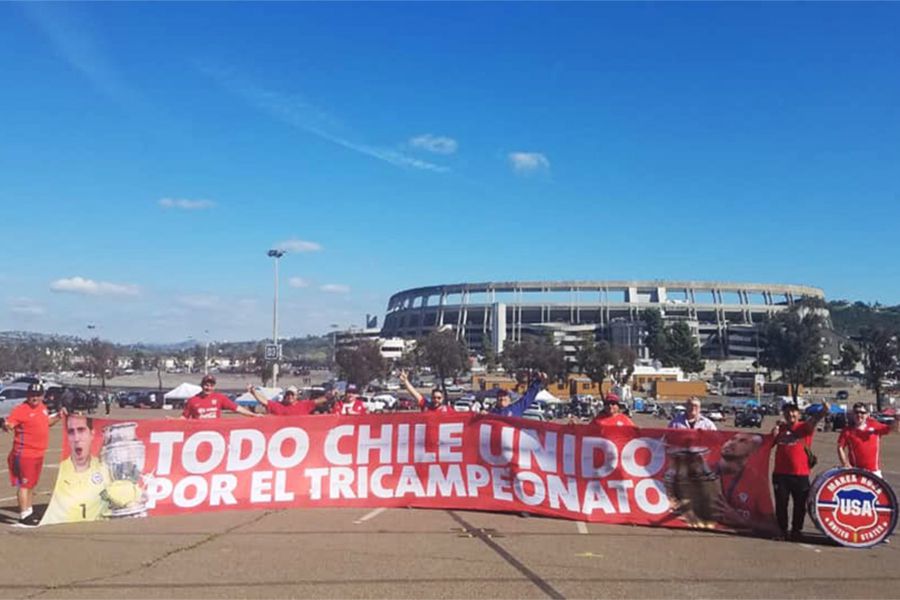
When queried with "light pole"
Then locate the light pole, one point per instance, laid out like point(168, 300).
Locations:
point(276, 254)
point(334, 328)
point(206, 354)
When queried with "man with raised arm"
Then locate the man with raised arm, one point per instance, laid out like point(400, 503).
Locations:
point(436, 403)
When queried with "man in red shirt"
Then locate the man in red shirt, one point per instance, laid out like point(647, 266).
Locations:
point(792, 439)
point(612, 414)
point(351, 404)
point(209, 403)
point(859, 444)
point(289, 405)
point(437, 397)
point(30, 423)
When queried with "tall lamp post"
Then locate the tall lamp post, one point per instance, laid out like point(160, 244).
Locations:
point(276, 254)
point(334, 328)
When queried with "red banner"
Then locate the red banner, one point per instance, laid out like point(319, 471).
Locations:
point(675, 478)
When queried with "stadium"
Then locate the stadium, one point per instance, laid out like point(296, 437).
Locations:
point(723, 316)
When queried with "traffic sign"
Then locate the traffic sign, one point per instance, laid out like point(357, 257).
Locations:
point(273, 351)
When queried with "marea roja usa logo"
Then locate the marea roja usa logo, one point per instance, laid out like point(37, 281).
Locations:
point(854, 507)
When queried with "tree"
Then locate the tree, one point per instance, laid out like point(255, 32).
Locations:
point(362, 364)
point(157, 363)
point(444, 354)
point(655, 340)
point(793, 345)
point(623, 359)
point(681, 348)
point(490, 356)
point(850, 356)
point(537, 353)
point(101, 357)
point(138, 361)
point(880, 350)
point(594, 359)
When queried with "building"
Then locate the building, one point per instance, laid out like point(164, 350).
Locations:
point(391, 348)
point(723, 316)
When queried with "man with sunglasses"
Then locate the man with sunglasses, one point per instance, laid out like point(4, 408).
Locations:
point(859, 444)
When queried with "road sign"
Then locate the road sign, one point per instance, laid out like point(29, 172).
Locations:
point(273, 351)
point(759, 380)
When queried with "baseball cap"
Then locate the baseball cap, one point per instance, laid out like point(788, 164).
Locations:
point(351, 388)
point(291, 389)
point(610, 398)
point(208, 378)
point(502, 392)
point(35, 389)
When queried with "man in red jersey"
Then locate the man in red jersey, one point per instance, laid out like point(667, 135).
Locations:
point(859, 444)
point(792, 439)
point(612, 414)
point(436, 402)
point(30, 423)
point(209, 403)
point(350, 405)
point(289, 405)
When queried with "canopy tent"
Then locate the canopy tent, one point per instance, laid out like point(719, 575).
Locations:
point(547, 397)
point(247, 399)
point(183, 392)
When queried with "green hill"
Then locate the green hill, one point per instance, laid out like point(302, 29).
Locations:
point(849, 318)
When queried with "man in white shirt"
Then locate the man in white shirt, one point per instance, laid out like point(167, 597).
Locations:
point(692, 419)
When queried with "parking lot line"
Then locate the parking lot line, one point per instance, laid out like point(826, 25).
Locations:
point(582, 527)
point(370, 515)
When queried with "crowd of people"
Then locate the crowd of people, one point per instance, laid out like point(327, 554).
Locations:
point(791, 439)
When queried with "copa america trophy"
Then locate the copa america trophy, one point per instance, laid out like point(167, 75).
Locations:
point(124, 455)
point(692, 486)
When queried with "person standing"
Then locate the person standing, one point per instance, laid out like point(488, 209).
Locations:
point(30, 423)
point(209, 403)
point(504, 405)
point(792, 439)
point(612, 414)
point(351, 404)
point(289, 405)
point(691, 418)
point(859, 444)
point(436, 404)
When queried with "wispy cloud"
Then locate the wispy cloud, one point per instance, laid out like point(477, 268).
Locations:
point(25, 307)
point(185, 204)
point(89, 287)
point(526, 163)
point(298, 246)
point(335, 288)
point(295, 111)
point(434, 143)
point(298, 282)
point(200, 301)
point(74, 42)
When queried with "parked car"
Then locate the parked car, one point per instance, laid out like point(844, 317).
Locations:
point(714, 415)
point(534, 415)
point(407, 403)
point(842, 395)
point(747, 418)
point(462, 405)
point(389, 400)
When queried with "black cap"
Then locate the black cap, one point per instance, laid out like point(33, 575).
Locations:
point(206, 378)
point(35, 389)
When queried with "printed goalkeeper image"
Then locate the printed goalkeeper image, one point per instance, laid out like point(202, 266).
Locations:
point(100, 473)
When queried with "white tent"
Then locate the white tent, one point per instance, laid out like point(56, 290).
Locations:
point(247, 399)
point(183, 392)
point(546, 396)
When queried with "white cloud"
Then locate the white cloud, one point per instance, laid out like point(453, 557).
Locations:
point(25, 307)
point(299, 246)
point(89, 287)
point(437, 144)
point(200, 301)
point(298, 282)
point(528, 162)
point(301, 114)
point(335, 288)
point(185, 204)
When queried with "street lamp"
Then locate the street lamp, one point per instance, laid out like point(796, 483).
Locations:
point(334, 328)
point(276, 254)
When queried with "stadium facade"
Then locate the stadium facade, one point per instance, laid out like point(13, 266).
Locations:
point(723, 316)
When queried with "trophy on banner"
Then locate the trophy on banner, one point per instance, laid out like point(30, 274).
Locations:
point(692, 486)
point(124, 456)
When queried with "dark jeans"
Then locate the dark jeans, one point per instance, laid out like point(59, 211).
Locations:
point(794, 487)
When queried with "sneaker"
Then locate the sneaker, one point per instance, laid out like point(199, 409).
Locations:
point(29, 521)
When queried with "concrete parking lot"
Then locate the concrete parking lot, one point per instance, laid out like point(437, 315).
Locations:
point(364, 553)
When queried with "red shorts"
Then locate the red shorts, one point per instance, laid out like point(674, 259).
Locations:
point(24, 472)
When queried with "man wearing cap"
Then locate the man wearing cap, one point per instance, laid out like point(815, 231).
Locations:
point(30, 423)
point(506, 407)
point(859, 444)
point(691, 418)
point(612, 415)
point(289, 405)
point(209, 403)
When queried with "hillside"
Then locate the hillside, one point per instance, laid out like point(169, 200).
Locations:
point(848, 319)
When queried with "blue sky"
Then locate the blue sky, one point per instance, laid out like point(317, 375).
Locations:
point(152, 153)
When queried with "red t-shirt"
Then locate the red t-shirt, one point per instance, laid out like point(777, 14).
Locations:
point(790, 456)
point(207, 407)
point(618, 420)
point(863, 444)
point(300, 407)
point(425, 405)
point(356, 407)
point(32, 429)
